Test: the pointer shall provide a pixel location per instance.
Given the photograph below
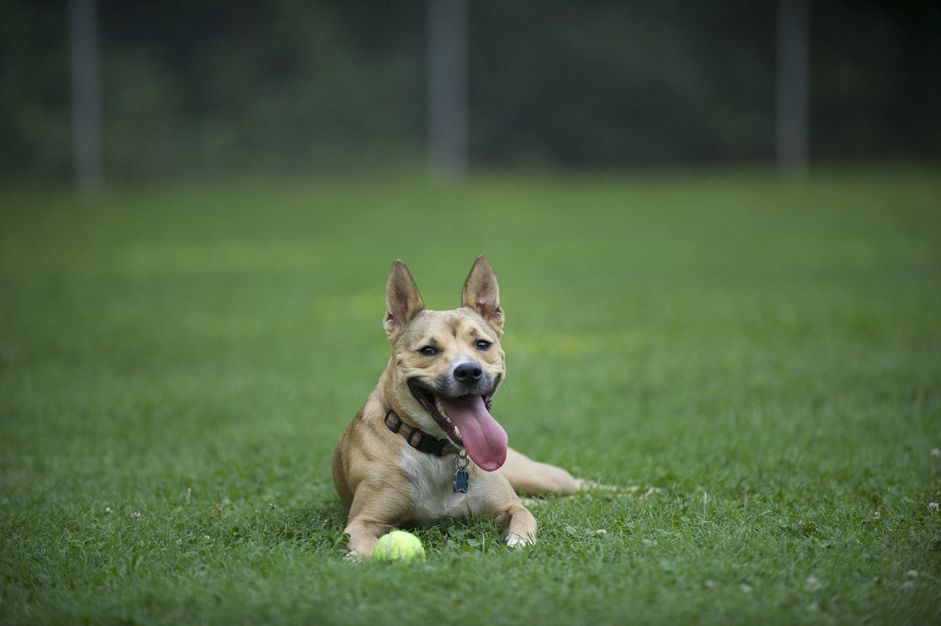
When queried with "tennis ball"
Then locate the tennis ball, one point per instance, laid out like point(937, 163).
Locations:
point(398, 545)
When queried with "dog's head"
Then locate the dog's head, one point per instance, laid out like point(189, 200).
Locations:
point(446, 365)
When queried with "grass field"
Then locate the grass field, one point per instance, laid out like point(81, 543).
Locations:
point(757, 363)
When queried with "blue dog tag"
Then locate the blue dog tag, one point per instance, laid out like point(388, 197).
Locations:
point(460, 481)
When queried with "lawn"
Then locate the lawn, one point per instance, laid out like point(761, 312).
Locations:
point(755, 362)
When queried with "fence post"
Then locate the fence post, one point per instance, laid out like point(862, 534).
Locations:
point(86, 99)
point(793, 104)
point(447, 88)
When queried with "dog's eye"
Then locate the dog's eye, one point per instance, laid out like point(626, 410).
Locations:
point(428, 351)
point(482, 344)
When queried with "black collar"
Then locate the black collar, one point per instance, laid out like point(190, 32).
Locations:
point(419, 439)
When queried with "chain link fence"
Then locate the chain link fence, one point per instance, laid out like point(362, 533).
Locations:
point(218, 88)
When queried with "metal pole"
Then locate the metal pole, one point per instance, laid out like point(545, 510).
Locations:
point(86, 99)
point(793, 106)
point(447, 88)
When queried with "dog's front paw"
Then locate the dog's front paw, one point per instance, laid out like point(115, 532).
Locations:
point(515, 541)
point(359, 552)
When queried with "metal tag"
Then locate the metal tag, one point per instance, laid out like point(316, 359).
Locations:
point(460, 481)
point(461, 477)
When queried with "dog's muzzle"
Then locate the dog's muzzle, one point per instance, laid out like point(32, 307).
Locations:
point(461, 408)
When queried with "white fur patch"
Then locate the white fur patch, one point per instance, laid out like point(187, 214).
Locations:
point(515, 541)
point(432, 489)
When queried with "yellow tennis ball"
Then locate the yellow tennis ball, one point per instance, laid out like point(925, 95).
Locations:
point(398, 545)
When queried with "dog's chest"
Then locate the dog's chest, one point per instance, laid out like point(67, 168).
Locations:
point(432, 488)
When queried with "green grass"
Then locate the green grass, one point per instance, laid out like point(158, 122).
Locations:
point(758, 361)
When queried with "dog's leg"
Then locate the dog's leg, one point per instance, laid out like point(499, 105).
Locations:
point(521, 529)
point(364, 532)
point(535, 479)
point(505, 508)
point(373, 513)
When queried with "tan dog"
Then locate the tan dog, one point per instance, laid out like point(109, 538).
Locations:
point(404, 458)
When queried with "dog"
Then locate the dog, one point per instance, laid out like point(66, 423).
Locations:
point(425, 447)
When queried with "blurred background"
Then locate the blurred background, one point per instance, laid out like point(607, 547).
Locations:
point(96, 91)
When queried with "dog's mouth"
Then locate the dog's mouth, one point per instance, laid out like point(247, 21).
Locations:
point(467, 422)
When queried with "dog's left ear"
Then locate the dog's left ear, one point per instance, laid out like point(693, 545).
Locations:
point(482, 293)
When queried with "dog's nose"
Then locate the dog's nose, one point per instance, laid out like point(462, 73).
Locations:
point(467, 371)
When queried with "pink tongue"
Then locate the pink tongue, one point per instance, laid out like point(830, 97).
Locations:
point(484, 439)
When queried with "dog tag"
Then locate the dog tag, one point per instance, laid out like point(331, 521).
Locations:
point(460, 481)
point(461, 477)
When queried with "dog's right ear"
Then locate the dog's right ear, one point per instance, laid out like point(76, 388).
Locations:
point(403, 301)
